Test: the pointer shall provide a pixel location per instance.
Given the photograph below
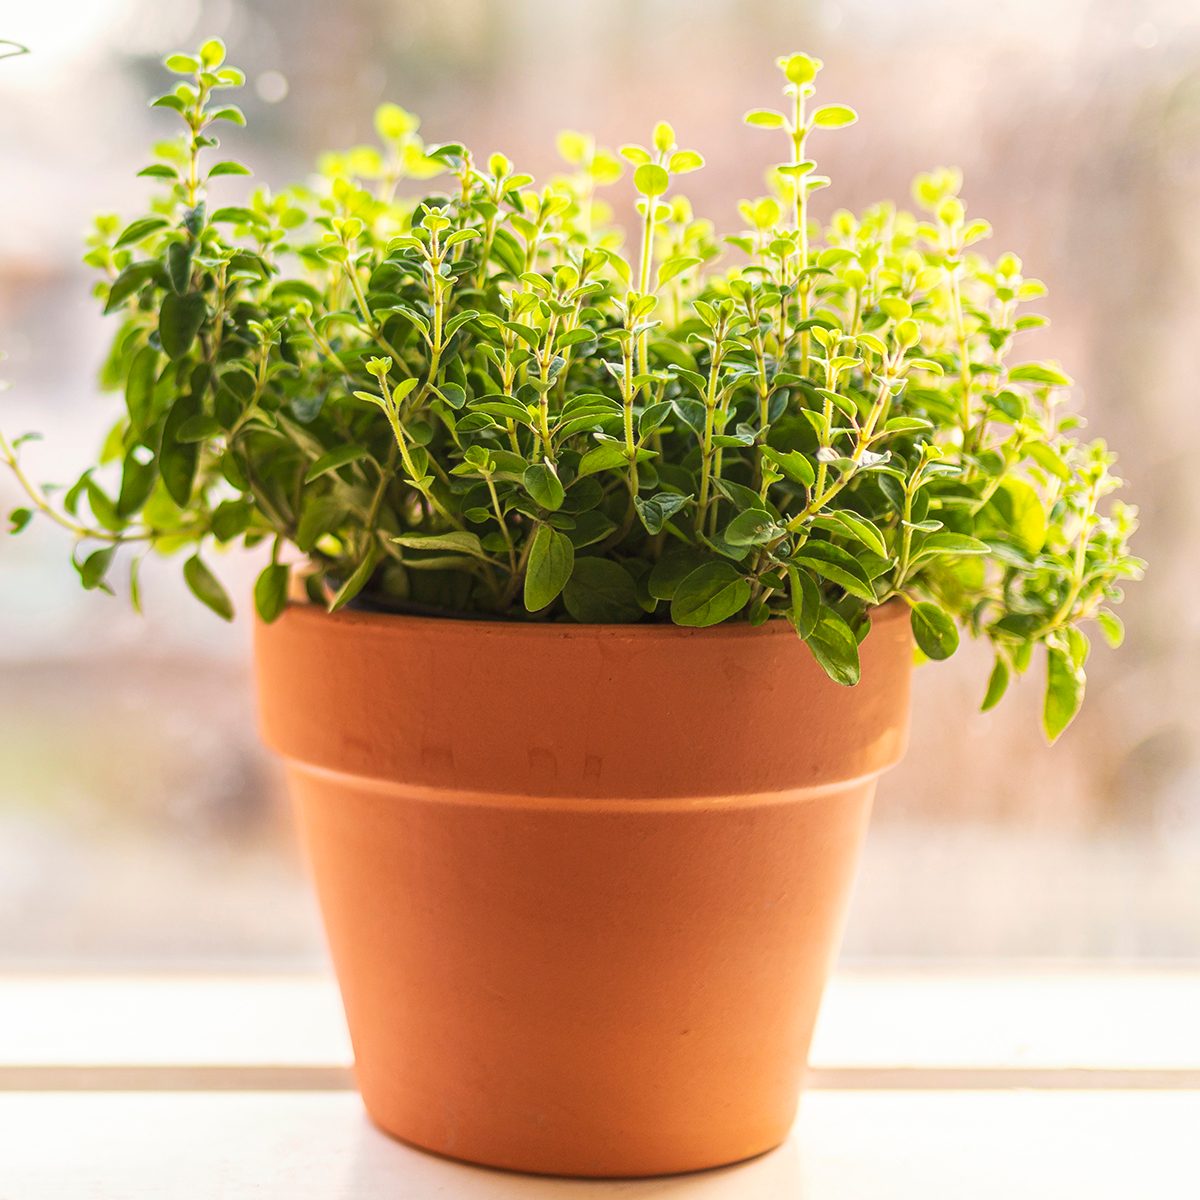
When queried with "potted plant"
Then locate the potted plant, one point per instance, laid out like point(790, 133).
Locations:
point(592, 582)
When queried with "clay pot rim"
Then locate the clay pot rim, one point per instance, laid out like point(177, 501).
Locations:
point(390, 622)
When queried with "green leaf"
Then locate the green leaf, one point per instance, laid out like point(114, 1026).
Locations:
point(178, 460)
point(1111, 627)
point(863, 531)
point(765, 118)
point(835, 647)
point(676, 266)
point(139, 389)
point(792, 464)
point(710, 594)
point(230, 112)
point(19, 518)
point(683, 161)
point(128, 282)
point(137, 230)
point(1016, 511)
point(179, 321)
point(212, 53)
point(655, 511)
point(137, 481)
point(604, 457)
point(230, 519)
point(228, 168)
point(805, 607)
point(753, 527)
point(800, 68)
point(357, 581)
point(236, 214)
point(934, 630)
point(199, 428)
point(675, 565)
point(1046, 373)
point(340, 456)
point(834, 116)
point(93, 568)
point(949, 543)
point(1049, 459)
point(271, 591)
point(997, 685)
point(179, 264)
point(550, 561)
point(838, 566)
point(457, 541)
point(135, 585)
point(651, 180)
point(1064, 692)
point(601, 592)
point(542, 483)
point(207, 588)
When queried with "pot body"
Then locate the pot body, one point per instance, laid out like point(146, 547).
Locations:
point(582, 884)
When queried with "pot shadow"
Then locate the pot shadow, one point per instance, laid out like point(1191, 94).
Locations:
point(381, 1168)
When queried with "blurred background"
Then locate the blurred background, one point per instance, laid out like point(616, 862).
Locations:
point(142, 825)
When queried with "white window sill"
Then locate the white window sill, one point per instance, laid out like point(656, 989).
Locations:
point(965, 1085)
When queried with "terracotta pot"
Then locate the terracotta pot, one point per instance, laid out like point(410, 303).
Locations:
point(582, 884)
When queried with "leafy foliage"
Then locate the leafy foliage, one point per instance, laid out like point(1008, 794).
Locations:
point(473, 401)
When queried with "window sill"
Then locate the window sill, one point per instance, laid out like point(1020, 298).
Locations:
point(925, 1082)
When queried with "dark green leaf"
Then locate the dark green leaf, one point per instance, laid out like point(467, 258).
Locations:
point(604, 457)
point(231, 519)
point(710, 594)
point(179, 321)
point(137, 230)
point(137, 481)
point(655, 511)
point(139, 389)
point(95, 567)
point(207, 588)
point(675, 565)
point(18, 519)
point(997, 685)
point(178, 460)
point(340, 456)
point(271, 591)
point(863, 531)
point(805, 607)
point(542, 483)
point(103, 509)
point(835, 647)
point(550, 561)
point(179, 264)
point(128, 282)
point(458, 541)
point(934, 630)
point(754, 527)
point(357, 581)
point(838, 566)
point(601, 591)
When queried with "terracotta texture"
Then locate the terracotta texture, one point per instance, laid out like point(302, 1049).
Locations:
point(582, 884)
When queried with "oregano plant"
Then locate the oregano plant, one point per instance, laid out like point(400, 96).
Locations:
point(429, 384)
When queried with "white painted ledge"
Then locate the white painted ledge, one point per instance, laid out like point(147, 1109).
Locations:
point(943, 1085)
point(873, 1018)
point(846, 1146)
